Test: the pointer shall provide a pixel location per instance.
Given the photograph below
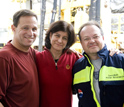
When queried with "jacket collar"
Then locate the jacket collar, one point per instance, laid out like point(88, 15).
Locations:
point(104, 52)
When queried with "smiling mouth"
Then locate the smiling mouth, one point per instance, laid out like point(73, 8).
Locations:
point(92, 46)
point(29, 37)
point(58, 45)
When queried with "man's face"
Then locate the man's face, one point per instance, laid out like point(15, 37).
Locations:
point(91, 39)
point(25, 33)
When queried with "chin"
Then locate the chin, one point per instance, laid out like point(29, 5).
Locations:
point(93, 52)
point(59, 49)
point(28, 45)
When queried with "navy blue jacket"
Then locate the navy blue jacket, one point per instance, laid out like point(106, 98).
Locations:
point(111, 80)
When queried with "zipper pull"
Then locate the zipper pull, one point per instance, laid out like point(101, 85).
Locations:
point(56, 65)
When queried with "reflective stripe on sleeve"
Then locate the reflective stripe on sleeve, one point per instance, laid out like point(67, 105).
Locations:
point(82, 76)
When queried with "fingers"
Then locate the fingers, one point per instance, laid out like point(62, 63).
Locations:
point(113, 51)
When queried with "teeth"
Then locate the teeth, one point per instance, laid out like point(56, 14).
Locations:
point(30, 38)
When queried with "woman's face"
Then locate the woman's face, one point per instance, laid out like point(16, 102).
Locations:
point(58, 40)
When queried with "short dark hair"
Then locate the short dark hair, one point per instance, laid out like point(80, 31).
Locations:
point(92, 22)
point(20, 13)
point(61, 26)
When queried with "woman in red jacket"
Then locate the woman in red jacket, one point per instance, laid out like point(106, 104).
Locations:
point(55, 66)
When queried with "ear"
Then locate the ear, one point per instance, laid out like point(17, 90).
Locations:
point(13, 28)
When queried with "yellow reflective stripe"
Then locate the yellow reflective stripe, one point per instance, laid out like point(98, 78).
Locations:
point(111, 74)
point(91, 83)
point(82, 76)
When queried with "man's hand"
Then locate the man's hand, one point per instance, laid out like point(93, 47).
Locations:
point(75, 52)
point(113, 51)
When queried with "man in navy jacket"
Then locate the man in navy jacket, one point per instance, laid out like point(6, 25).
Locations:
point(98, 77)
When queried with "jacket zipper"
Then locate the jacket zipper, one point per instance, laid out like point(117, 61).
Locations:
point(56, 65)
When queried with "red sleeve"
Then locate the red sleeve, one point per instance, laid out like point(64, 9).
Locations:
point(4, 77)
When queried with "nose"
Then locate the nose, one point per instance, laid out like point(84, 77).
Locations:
point(60, 39)
point(30, 32)
point(92, 40)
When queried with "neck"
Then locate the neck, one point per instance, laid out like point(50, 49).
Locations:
point(55, 54)
point(19, 47)
point(94, 57)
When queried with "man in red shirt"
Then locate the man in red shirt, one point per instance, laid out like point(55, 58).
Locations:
point(19, 85)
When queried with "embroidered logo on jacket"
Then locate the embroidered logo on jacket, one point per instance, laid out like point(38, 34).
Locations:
point(80, 93)
point(67, 66)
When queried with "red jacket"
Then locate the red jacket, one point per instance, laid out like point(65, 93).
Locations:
point(55, 82)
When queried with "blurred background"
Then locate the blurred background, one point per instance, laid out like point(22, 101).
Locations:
point(109, 13)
